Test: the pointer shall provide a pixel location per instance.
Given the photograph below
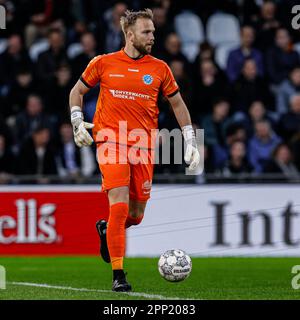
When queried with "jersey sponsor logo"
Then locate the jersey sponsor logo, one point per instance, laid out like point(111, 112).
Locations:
point(128, 95)
point(133, 70)
point(116, 75)
point(148, 79)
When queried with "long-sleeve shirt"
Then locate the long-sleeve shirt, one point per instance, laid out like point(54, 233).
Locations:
point(260, 151)
point(236, 61)
point(285, 91)
point(279, 63)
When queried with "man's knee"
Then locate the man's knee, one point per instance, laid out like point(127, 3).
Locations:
point(120, 194)
point(133, 220)
point(136, 208)
point(136, 213)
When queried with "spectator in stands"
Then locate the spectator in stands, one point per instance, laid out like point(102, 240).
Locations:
point(216, 123)
point(215, 126)
point(57, 96)
point(183, 81)
point(287, 88)
point(250, 87)
point(62, 15)
point(282, 162)
point(162, 28)
point(237, 57)
point(75, 33)
point(236, 132)
point(40, 12)
point(80, 62)
point(31, 118)
point(166, 117)
point(49, 61)
point(206, 52)
point(13, 59)
point(109, 33)
point(209, 84)
point(72, 161)
point(261, 145)
point(266, 25)
point(19, 92)
point(248, 11)
point(87, 12)
point(237, 162)
point(7, 161)
point(281, 59)
point(37, 155)
point(256, 112)
point(6, 131)
point(290, 122)
point(172, 49)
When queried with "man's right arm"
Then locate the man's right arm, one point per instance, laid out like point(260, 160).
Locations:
point(90, 77)
point(81, 135)
point(77, 93)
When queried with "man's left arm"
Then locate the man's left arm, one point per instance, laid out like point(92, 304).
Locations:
point(183, 117)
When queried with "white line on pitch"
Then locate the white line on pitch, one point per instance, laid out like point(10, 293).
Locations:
point(133, 294)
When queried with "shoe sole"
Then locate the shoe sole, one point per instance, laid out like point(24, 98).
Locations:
point(122, 289)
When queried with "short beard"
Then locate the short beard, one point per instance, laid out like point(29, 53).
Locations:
point(141, 49)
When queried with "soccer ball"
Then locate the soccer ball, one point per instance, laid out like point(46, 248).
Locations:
point(174, 265)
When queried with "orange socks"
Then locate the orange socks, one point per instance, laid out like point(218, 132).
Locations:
point(116, 234)
point(131, 221)
point(119, 219)
point(117, 263)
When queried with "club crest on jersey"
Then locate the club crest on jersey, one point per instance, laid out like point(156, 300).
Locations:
point(148, 79)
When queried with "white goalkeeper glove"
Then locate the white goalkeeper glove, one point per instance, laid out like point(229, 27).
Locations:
point(192, 155)
point(81, 135)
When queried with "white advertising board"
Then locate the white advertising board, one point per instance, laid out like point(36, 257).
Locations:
point(220, 220)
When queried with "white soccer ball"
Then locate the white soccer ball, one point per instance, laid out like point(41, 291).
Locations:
point(174, 265)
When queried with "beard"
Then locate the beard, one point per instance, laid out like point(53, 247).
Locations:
point(143, 49)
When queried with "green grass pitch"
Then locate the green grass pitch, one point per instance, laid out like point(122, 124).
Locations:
point(90, 278)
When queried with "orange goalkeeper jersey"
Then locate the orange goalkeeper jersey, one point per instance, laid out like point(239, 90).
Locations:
point(129, 91)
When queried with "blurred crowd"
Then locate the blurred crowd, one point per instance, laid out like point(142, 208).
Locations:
point(237, 64)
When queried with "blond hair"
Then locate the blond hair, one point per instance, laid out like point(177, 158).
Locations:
point(131, 16)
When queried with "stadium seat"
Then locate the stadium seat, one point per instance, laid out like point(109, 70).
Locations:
point(37, 48)
point(189, 28)
point(74, 50)
point(190, 51)
point(222, 52)
point(3, 45)
point(223, 28)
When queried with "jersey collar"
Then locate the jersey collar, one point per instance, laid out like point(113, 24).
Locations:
point(133, 59)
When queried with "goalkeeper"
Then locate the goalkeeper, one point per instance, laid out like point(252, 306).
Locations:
point(130, 80)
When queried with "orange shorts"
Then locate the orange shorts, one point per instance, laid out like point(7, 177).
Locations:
point(121, 167)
